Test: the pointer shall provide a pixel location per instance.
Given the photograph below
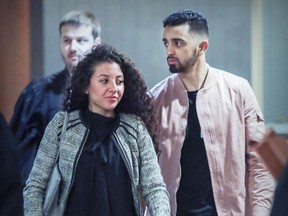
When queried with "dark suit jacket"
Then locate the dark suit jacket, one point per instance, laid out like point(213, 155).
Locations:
point(280, 204)
point(11, 198)
point(35, 107)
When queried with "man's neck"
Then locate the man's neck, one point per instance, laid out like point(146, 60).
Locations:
point(195, 78)
point(69, 70)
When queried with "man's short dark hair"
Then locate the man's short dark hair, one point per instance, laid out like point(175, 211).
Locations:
point(196, 21)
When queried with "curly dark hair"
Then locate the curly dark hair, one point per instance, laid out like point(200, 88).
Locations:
point(135, 99)
point(197, 21)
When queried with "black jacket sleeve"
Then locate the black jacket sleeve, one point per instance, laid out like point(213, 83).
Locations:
point(28, 124)
point(11, 199)
point(35, 107)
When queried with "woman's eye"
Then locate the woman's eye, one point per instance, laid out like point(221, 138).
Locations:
point(103, 81)
point(120, 81)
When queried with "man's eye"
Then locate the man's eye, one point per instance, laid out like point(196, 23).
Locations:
point(67, 41)
point(82, 40)
point(178, 43)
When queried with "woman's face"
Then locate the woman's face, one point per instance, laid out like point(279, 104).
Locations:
point(106, 88)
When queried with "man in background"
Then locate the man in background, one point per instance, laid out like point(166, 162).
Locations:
point(11, 199)
point(42, 98)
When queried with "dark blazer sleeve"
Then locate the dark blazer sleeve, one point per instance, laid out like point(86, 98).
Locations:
point(11, 198)
point(280, 206)
point(36, 106)
point(28, 124)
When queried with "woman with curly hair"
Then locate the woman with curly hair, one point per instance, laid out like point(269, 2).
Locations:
point(107, 159)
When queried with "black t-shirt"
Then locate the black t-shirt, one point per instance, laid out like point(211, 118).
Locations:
point(194, 196)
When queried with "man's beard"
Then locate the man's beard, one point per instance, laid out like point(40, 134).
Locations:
point(183, 67)
point(175, 69)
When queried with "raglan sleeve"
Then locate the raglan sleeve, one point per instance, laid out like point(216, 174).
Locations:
point(260, 182)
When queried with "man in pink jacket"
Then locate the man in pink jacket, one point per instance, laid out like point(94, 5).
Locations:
point(208, 122)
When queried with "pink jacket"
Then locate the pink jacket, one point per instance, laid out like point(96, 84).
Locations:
point(229, 117)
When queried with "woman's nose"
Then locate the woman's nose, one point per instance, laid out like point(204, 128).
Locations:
point(113, 87)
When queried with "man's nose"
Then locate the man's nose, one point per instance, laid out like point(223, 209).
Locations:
point(170, 50)
point(73, 45)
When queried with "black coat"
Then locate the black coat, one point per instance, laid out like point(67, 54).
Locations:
point(35, 107)
point(11, 198)
point(280, 204)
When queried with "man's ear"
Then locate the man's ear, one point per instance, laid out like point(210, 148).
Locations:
point(203, 46)
point(97, 41)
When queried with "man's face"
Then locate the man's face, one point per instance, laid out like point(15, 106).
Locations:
point(75, 41)
point(181, 48)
